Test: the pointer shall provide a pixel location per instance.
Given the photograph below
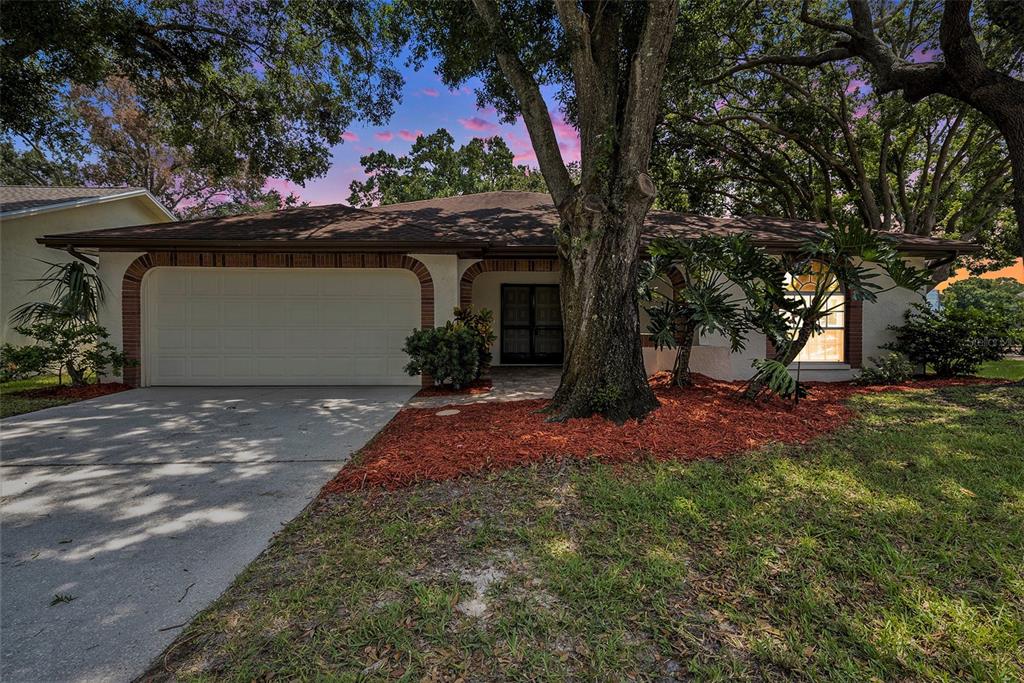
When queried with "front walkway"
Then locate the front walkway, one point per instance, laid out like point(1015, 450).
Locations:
point(509, 383)
point(123, 516)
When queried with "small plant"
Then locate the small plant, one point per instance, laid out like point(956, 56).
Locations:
point(20, 362)
point(482, 325)
point(953, 341)
point(61, 598)
point(449, 354)
point(892, 368)
point(772, 378)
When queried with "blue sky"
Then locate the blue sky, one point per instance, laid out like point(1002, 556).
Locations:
point(426, 106)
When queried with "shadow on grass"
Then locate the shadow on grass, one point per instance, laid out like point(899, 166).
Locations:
point(891, 549)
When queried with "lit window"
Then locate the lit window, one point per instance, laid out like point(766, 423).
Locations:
point(826, 346)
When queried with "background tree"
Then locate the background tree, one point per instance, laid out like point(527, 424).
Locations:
point(971, 56)
point(268, 87)
point(606, 60)
point(822, 144)
point(435, 168)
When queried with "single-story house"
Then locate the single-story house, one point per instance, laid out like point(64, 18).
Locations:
point(28, 212)
point(327, 294)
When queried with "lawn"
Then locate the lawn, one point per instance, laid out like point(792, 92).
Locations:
point(890, 550)
point(36, 393)
point(1003, 369)
point(13, 404)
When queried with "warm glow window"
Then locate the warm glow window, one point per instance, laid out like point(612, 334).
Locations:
point(827, 346)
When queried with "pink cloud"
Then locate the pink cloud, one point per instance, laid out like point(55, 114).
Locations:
point(409, 135)
point(384, 136)
point(349, 136)
point(430, 92)
point(476, 123)
point(563, 129)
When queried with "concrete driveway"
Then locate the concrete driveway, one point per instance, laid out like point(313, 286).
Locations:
point(141, 507)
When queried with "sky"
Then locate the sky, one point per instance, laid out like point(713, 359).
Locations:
point(426, 106)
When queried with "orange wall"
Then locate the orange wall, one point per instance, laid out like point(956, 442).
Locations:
point(1016, 271)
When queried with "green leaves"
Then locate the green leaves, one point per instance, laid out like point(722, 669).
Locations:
point(76, 293)
point(773, 378)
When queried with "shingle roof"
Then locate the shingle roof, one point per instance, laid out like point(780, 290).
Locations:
point(20, 197)
point(489, 221)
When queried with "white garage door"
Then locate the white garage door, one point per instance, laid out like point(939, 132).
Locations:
point(252, 326)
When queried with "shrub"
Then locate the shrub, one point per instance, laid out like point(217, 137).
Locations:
point(1002, 297)
point(482, 325)
point(449, 354)
point(952, 341)
point(892, 368)
point(80, 348)
point(19, 362)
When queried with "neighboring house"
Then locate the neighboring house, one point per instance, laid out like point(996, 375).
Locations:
point(327, 294)
point(27, 213)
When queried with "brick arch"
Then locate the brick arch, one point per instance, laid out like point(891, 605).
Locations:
point(544, 265)
point(131, 284)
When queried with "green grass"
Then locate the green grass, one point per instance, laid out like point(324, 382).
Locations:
point(11, 403)
point(892, 550)
point(1003, 369)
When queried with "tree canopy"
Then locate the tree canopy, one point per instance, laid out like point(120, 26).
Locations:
point(266, 86)
point(434, 167)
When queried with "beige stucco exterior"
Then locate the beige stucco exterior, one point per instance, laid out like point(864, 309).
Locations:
point(20, 254)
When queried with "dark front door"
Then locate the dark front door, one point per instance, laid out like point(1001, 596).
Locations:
point(531, 324)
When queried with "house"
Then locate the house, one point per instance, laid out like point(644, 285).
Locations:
point(327, 294)
point(27, 213)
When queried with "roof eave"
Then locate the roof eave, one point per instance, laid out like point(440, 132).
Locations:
point(88, 201)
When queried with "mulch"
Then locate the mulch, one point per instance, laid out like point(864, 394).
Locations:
point(699, 422)
point(75, 393)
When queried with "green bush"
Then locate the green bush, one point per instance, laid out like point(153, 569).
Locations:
point(19, 362)
point(1003, 297)
point(953, 341)
point(482, 325)
point(80, 348)
point(892, 368)
point(449, 354)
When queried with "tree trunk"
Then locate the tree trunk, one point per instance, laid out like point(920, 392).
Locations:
point(603, 369)
point(76, 375)
point(1014, 133)
point(681, 369)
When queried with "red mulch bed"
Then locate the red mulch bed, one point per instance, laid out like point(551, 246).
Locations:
point(477, 386)
point(76, 393)
point(699, 422)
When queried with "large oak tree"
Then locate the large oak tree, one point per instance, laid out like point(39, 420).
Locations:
point(606, 61)
point(976, 59)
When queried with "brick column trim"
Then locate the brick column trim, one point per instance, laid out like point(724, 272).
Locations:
point(544, 265)
point(131, 284)
point(854, 341)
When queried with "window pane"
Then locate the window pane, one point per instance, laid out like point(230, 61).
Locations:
point(826, 347)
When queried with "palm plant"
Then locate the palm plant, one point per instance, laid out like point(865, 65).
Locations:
point(826, 270)
point(76, 293)
point(724, 285)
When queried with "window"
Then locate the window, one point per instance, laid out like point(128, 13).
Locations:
point(827, 346)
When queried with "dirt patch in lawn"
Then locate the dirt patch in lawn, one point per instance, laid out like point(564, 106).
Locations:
point(73, 393)
point(706, 420)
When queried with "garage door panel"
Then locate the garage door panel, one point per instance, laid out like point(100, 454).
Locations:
point(279, 326)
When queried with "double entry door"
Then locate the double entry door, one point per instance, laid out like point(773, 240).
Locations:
point(531, 325)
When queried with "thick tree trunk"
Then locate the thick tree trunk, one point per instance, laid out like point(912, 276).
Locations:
point(603, 370)
point(1014, 133)
point(76, 376)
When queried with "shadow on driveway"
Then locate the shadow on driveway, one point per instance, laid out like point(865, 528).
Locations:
point(139, 508)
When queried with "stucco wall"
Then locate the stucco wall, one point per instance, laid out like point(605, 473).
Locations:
point(888, 310)
point(19, 250)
